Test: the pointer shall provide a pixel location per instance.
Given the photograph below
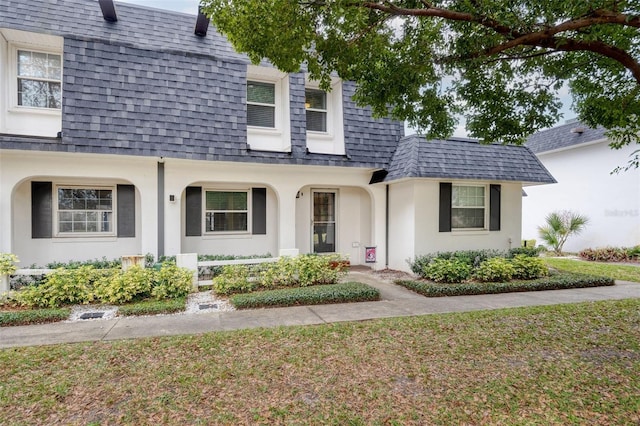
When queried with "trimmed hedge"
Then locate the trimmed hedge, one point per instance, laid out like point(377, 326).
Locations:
point(314, 295)
point(557, 281)
point(153, 307)
point(37, 316)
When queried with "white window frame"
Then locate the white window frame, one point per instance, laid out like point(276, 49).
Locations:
point(485, 207)
point(114, 211)
point(278, 138)
point(331, 141)
point(204, 211)
point(274, 105)
point(13, 78)
point(327, 116)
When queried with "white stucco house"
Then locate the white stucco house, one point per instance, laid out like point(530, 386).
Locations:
point(581, 161)
point(124, 131)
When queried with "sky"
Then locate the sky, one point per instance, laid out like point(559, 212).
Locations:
point(191, 7)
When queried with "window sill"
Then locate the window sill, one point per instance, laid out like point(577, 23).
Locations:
point(220, 235)
point(264, 131)
point(31, 110)
point(62, 238)
point(470, 231)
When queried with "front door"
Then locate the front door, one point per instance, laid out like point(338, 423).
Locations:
point(324, 222)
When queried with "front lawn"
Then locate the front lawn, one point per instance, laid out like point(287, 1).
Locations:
point(610, 270)
point(564, 364)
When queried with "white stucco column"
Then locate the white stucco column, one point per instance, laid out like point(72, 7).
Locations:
point(287, 220)
point(6, 224)
point(378, 221)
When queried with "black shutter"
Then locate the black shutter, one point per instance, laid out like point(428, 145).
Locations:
point(445, 207)
point(41, 209)
point(193, 212)
point(126, 205)
point(259, 211)
point(494, 207)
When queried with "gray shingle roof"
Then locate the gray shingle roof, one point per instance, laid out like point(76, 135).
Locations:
point(139, 27)
point(563, 137)
point(465, 159)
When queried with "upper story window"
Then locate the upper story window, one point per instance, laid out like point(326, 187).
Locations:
point(261, 104)
point(39, 77)
point(87, 210)
point(316, 110)
point(468, 207)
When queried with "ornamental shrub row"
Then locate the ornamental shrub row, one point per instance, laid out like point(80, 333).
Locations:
point(319, 294)
point(38, 316)
point(473, 258)
point(556, 281)
point(611, 254)
point(300, 271)
point(87, 284)
point(493, 269)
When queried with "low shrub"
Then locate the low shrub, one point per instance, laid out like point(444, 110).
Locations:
point(8, 263)
point(64, 287)
point(448, 271)
point(557, 281)
point(153, 307)
point(529, 268)
point(313, 295)
point(87, 284)
point(103, 263)
point(497, 269)
point(171, 282)
point(527, 251)
point(528, 243)
point(314, 269)
point(37, 316)
point(233, 279)
point(134, 283)
point(282, 273)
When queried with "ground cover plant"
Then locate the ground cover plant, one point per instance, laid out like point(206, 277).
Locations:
point(13, 317)
point(555, 281)
point(612, 254)
point(613, 271)
point(314, 295)
point(566, 364)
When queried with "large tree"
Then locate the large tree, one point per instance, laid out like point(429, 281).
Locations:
point(499, 63)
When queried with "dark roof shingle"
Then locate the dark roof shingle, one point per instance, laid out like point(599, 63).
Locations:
point(564, 136)
point(465, 159)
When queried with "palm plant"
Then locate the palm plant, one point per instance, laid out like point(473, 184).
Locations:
point(559, 226)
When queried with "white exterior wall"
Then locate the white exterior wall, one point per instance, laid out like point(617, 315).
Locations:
point(288, 217)
point(414, 223)
point(585, 185)
point(19, 168)
point(402, 224)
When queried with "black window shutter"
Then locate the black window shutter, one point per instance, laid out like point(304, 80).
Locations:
point(259, 211)
point(126, 211)
point(193, 212)
point(41, 209)
point(494, 207)
point(445, 207)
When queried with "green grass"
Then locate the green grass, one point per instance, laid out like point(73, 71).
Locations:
point(555, 281)
point(558, 365)
point(610, 270)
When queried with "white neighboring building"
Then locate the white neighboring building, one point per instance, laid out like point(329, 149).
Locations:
point(581, 161)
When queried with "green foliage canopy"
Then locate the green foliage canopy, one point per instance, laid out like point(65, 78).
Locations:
point(500, 63)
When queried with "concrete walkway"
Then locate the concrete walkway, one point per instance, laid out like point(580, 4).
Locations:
point(396, 302)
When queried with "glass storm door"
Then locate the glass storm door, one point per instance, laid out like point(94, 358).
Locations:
point(324, 222)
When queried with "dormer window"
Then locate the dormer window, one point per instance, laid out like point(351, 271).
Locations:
point(316, 110)
point(39, 79)
point(261, 104)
